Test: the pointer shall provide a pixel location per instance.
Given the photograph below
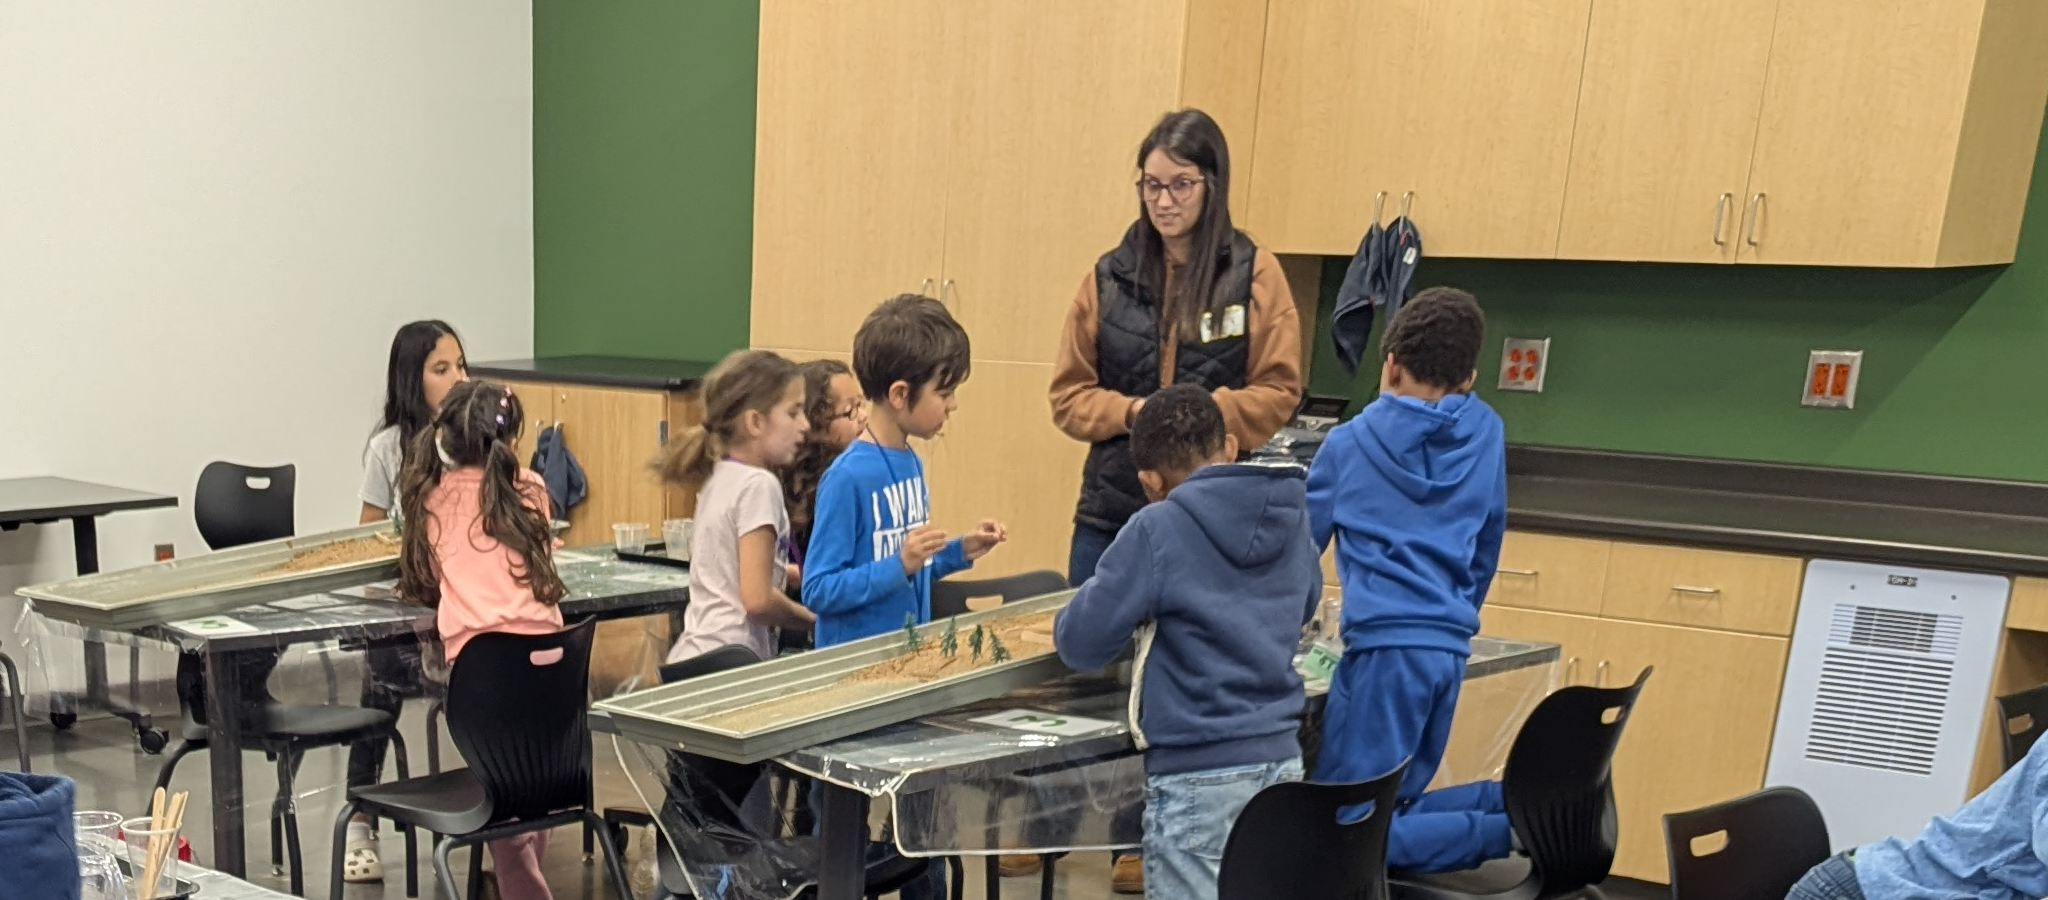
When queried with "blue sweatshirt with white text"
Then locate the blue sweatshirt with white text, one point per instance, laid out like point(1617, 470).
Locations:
point(870, 498)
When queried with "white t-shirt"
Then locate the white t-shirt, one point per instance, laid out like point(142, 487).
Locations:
point(736, 499)
point(381, 461)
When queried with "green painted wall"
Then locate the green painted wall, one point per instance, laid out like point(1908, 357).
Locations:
point(643, 169)
point(1708, 360)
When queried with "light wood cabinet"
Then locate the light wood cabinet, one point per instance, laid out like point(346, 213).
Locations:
point(1574, 634)
point(996, 461)
point(1700, 732)
point(1667, 116)
point(1703, 588)
point(614, 434)
point(1897, 132)
point(853, 123)
point(1463, 107)
point(1552, 572)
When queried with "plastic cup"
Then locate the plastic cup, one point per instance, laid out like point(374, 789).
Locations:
point(675, 534)
point(630, 537)
point(139, 840)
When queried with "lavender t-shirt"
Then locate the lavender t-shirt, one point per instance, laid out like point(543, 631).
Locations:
point(736, 499)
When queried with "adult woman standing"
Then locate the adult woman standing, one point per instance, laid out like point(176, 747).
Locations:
point(1184, 298)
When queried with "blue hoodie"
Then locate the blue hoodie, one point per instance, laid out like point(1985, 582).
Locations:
point(1217, 581)
point(1416, 495)
point(868, 501)
point(37, 841)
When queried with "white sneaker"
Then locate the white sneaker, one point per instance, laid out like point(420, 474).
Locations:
point(360, 865)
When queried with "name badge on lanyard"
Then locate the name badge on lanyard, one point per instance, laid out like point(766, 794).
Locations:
point(1233, 324)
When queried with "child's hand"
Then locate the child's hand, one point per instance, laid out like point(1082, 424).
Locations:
point(984, 538)
point(921, 544)
point(795, 573)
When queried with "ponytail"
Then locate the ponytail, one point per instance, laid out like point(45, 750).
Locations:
point(746, 380)
point(687, 461)
point(419, 576)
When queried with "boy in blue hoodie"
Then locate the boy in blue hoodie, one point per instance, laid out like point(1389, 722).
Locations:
point(1414, 490)
point(1215, 579)
point(873, 552)
point(1994, 848)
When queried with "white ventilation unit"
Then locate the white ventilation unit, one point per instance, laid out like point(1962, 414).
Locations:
point(1884, 694)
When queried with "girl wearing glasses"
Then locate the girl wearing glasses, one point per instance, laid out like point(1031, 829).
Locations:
point(837, 412)
point(1184, 298)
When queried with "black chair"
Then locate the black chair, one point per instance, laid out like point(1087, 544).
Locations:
point(516, 710)
point(2024, 717)
point(237, 505)
point(1771, 839)
point(15, 692)
point(1559, 792)
point(949, 598)
point(1289, 842)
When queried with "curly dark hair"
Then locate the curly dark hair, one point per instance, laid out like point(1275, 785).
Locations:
point(1178, 428)
point(476, 426)
point(1436, 337)
point(800, 479)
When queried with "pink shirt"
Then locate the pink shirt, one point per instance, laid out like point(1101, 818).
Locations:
point(478, 589)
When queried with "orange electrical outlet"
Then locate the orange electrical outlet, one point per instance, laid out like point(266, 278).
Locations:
point(1839, 387)
point(1822, 378)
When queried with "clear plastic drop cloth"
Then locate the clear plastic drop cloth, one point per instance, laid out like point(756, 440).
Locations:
point(1046, 769)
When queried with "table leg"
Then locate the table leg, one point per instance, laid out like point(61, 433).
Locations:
point(85, 547)
point(224, 757)
point(843, 843)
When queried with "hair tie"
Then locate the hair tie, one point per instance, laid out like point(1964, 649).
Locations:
point(501, 420)
point(442, 452)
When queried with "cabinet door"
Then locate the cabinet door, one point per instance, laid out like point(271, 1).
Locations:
point(1467, 103)
point(850, 141)
point(1704, 588)
point(1666, 121)
point(1001, 458)
point(1053, 98)
point(1574, 635)
point(1549, 571)
point(1862, 111)
point(615, 434)
point(537, 400)
point(1700, 732)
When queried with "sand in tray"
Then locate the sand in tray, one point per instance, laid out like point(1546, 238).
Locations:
point(1025, 636)
point(339, 553)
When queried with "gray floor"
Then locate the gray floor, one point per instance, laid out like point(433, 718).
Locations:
point(113, 774)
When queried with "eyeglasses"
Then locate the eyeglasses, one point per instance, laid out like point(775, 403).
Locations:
point(1181, 187)
point(858, 409)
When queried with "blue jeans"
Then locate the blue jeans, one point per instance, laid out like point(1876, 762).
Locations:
point(1831, 880)
point(1188, 816)
point(1086, 550)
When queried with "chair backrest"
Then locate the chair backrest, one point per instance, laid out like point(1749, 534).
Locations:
point(1289, 842)
point(1559, 786)
point(1769, 840)
point(516, 709)
point(2025, 717)
point(949, 597)
point(730, 656)
point(717, 786)
point(237, 505)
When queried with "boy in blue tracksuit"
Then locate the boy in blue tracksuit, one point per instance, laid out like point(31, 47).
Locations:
point(1414, 490)
point(1215, 578)
point(873, 552)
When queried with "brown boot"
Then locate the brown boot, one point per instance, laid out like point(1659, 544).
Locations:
point(1127, 874)
point(1017, 865)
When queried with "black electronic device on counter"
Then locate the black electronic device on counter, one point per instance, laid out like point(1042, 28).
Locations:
point(1298, 440)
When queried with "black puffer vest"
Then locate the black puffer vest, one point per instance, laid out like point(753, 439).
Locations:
point(1127, 361)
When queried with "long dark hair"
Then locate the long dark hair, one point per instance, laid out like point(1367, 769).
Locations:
point(800, 480)
point(1189, 136)
point(745, 380)
point(405, 394)
point(476, 426)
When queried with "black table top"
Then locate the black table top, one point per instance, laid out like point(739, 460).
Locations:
point(600, 371)
point(48, 499)
point(1973, 524)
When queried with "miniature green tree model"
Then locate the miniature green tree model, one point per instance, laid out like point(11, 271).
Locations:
point(910, 638)
point(949, 643)
point(996, 651)
point(974, 644)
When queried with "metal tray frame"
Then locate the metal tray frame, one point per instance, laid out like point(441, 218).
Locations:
point(168, 591)
point(672, 715)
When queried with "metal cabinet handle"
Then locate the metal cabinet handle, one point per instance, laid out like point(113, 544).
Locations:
point(1379, 207)
point(1525, 573)
point(1600, 674)
point(1407, 201)
point(946, 291)
point(1721, 217)
point(1570, 665)
point(1689, 589)
point(924, 288)
point(1756, 213)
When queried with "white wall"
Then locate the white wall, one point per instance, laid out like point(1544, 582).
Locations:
point(214, 214)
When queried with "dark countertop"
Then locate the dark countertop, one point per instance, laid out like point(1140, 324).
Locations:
point(600, 371)
point(49, 499)
point(1938, 521)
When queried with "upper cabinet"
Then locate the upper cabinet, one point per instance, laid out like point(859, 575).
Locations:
point(1828, 132)
point(1459, 111)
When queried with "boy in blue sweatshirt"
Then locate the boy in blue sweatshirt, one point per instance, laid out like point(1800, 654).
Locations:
point(1215, 579)
point(873, 552)
point(1414, 490)
point(1994, 848)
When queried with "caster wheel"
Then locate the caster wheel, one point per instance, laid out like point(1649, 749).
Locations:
point(63, 721)
point(153, 740)
point(619, 836)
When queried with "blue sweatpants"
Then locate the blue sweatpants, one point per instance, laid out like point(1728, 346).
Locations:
point(1386, 706)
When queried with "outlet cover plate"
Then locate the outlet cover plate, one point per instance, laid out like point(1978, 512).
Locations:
point(1831, 377)
point(1523, 361)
